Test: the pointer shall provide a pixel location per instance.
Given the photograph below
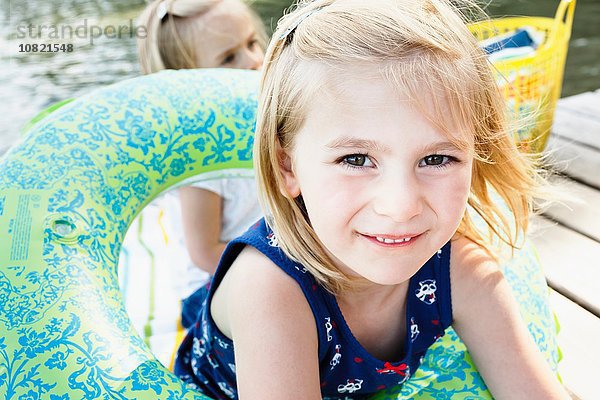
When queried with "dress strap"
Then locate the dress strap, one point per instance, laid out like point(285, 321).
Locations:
point(429, 302)
point(261, 237)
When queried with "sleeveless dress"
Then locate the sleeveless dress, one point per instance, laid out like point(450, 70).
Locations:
point(205, 359)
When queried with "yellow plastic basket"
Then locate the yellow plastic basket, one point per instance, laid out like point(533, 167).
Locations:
point(531, 84)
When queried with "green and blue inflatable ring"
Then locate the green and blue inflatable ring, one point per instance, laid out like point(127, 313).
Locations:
point(70, 189)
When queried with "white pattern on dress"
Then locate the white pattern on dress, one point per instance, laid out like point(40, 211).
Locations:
point(225, 389)
point(426, 291)
point(414, 330)
point(212, 361)
point(221, 342)
point(351, 386)
point(329, 327)
point(272, 240)
point(197, 349)
point(337, 357)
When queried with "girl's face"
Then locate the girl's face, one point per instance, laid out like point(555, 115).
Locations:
point(228, 38)
point(384, 189)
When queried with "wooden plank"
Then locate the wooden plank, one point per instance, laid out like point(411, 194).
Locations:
point(587, 104)
point(579, 340)
point(580, 162)
point(571, 262)
point(574, 126)
point(577, 123)
point(574, 144)
point(582, 212)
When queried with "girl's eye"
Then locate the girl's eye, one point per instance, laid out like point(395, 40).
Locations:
point(252, 43)
point(357, 160)
point(436, 160)
point(229, 59)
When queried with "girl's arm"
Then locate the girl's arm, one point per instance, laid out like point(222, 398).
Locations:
point(487, 319)
point(201, 219)
point(273, 330)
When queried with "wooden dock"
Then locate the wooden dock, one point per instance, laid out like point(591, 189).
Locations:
point(567, 237)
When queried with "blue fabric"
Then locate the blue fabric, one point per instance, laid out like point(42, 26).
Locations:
point(191, 306)
point(520, 38)
point(206, 357)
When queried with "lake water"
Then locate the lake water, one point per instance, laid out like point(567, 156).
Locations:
point(31, 81)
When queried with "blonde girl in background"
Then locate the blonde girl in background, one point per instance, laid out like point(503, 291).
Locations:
point(185, 34)
point(379, 123)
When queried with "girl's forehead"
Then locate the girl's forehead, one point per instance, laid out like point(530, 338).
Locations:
point(360, 90)
point(226, 17)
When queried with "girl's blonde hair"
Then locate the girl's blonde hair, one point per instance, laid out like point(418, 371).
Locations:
point(418, 46)
point(172, 39)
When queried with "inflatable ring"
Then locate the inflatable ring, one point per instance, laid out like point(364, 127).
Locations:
point(68, 193)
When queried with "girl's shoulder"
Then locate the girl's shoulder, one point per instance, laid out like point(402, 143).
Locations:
point(264, 312)
point(470, 261)
point(254, 285)
point(473, 272)
point(253, 268)
point(266, 246)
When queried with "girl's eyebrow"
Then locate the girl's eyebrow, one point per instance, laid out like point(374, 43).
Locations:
point(437, 147)
point(371, 145)
point(352, 142)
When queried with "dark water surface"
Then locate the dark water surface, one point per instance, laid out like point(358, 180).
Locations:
point(30, 81)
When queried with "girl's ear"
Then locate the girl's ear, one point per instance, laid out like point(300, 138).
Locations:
point(291, 187)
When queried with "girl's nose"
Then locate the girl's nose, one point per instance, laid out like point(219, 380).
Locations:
point(398, 197)
point(254, 59)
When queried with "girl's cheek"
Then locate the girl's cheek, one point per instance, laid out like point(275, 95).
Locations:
point(335, 190)
point(459, 189)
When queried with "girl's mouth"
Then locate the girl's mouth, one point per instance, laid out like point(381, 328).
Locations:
point(392, 240)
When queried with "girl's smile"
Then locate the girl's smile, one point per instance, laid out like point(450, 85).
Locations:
point(391, 240)
point(384, 188)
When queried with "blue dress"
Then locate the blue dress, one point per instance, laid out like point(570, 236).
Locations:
point(205, 359)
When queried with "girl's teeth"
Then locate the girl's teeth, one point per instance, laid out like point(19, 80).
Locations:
point(385, 240)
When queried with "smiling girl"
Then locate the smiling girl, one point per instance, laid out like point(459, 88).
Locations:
point(379, 124)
